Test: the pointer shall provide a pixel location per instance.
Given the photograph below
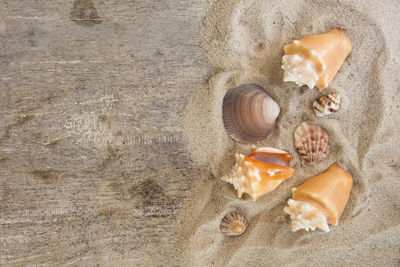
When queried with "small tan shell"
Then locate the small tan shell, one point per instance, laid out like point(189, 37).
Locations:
point(327, 104)
point(249, 113)
point(234, 223)
point(311, 141)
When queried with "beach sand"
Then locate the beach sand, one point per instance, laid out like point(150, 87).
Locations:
point(243, 40)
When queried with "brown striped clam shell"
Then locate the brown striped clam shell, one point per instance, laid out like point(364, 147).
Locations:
point(311, 141)
point(327, 104)
point(249, 113)
point(234, 223)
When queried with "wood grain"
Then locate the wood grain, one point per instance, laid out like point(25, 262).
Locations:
point(92, 162)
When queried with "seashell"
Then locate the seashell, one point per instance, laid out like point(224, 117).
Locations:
point(260, 172)
point(314, 60)
point(234, 223)
point(311, 141)
point(327, 104)
point(249, 113)
point(320, 200)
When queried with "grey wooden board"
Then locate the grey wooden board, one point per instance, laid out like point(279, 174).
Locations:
point(92, 162)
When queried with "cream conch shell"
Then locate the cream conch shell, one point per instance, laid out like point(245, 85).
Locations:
point(314, 60)
point(327, 104)
point(260, 172)
point(320, 200)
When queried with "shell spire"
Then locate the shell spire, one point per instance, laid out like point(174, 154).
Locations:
point(320, 200)
point(260, 172)
point(314, 60)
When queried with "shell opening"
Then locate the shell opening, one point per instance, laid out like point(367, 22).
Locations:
point(300, 70)
point(305, 216)
point(271, 155)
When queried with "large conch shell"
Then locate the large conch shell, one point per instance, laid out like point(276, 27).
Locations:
point(320, 200)
point(260, 172)
point(311, 141)
point(314, 60)
point(249, 113)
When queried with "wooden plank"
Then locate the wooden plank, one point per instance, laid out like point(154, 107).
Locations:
point(92, 163)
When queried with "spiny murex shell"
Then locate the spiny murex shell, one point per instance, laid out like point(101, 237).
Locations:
point(234, 223)
point(260, 172)
point(249, 113)
point(311, 141)
point(327, 104)
point(320, 200)
point(314, 60)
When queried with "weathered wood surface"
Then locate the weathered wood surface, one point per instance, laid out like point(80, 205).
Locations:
point(92, 164)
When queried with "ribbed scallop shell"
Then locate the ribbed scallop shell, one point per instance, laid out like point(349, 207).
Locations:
point(249, 113)
point(234, 223)
point(327, 104)
point(311, 141)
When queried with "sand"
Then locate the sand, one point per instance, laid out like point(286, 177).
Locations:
point(244, 41)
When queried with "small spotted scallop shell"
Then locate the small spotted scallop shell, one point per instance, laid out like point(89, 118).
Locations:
point(234, 223)
point(311, 141)
point(327, 104)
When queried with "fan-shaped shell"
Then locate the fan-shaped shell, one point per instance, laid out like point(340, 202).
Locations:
point(311, 141)
point(234, 223)
point(327, 104)
point(249, 113)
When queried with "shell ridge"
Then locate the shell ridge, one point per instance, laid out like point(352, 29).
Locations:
point(311, 141)
point(249, 113)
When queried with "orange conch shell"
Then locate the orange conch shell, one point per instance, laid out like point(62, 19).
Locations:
point(260, 172)
point(320, 200)
point(314, 60)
